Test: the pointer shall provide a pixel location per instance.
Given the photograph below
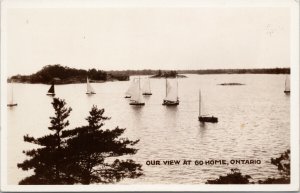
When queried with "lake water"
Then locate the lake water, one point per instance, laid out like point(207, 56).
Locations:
point(254, 123)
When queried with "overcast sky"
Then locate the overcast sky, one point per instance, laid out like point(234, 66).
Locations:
point(147, 38)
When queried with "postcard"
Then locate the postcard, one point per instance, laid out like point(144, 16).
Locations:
point(148, 95)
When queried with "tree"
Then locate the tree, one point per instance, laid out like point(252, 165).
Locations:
point(283, 164)
point(90, 146)
point(234, 177)
point(48, 160)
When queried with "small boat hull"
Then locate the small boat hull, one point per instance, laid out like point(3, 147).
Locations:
point(147, 94)
point(287, 92)
point(211, 119)
point(170, 103)
point(12, 105)
point(127, 97)
point(51, 94)
point(137, 104)
point(89, 93)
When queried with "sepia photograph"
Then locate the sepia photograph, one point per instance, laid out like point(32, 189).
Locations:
point(149, 95)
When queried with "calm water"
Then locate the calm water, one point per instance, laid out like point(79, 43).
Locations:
point(254, 123)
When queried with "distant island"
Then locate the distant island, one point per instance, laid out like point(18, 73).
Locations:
point(65, 75)
point(167, 74)
point(231, 84)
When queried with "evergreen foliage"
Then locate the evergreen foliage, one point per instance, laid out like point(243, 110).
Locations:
point(47, 161)
point(234, 177)
point(89, 147)
point(283, 163)
point(79, 156)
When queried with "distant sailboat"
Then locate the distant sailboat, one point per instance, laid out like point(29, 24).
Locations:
point(171, 98)
point(51, 91)
point(11, 102)
point(205, 118)
point(287, 85)
point(130, 89)
point(136, 97)
point(89, 88)
point(146, 87)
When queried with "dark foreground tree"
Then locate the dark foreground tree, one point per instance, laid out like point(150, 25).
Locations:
point(283, 165)
point(93, 151)
point(47, 161)
point(234, 177)
point(79, 155)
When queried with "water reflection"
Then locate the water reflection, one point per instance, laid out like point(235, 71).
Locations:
point(171, 112)
point(147, 97)
point(137, 112)
point(202, 129)
point(202, 125)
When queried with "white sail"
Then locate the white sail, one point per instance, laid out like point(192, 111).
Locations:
point(171, 92)
point(136, 94)
point(89, 88)
point(146, 86)
point(11, 97)
point(287, 83)
point(131, 88)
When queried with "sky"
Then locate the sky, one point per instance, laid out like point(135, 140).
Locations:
point(121, 38)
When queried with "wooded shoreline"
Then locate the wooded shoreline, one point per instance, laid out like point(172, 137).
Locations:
point(65, 75)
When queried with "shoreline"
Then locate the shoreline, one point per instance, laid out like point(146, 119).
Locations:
point(150, 76)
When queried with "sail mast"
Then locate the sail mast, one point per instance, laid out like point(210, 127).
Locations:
point(166, 87)
point(285, 83)
point(177, 87)
point(87, 85)
point(11, 102)
point(139, 90)
point(149, 85)
point(12, 94)
point(199, 103)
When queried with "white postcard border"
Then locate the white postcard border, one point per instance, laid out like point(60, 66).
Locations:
point(294, 138)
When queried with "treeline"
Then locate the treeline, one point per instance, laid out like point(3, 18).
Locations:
point(82, 155)
point(64, 75)
point(165, 74)
point(239, 71)
point(205, 71)
point(134, 72)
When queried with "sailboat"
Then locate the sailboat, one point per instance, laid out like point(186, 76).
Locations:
point(205, 118)
point(136, 98)
point(51, 91)
point(130, 89)
point(89, 88)
point(287, 85)
point(171, 98)
point(11, 102)
point(146, 87)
